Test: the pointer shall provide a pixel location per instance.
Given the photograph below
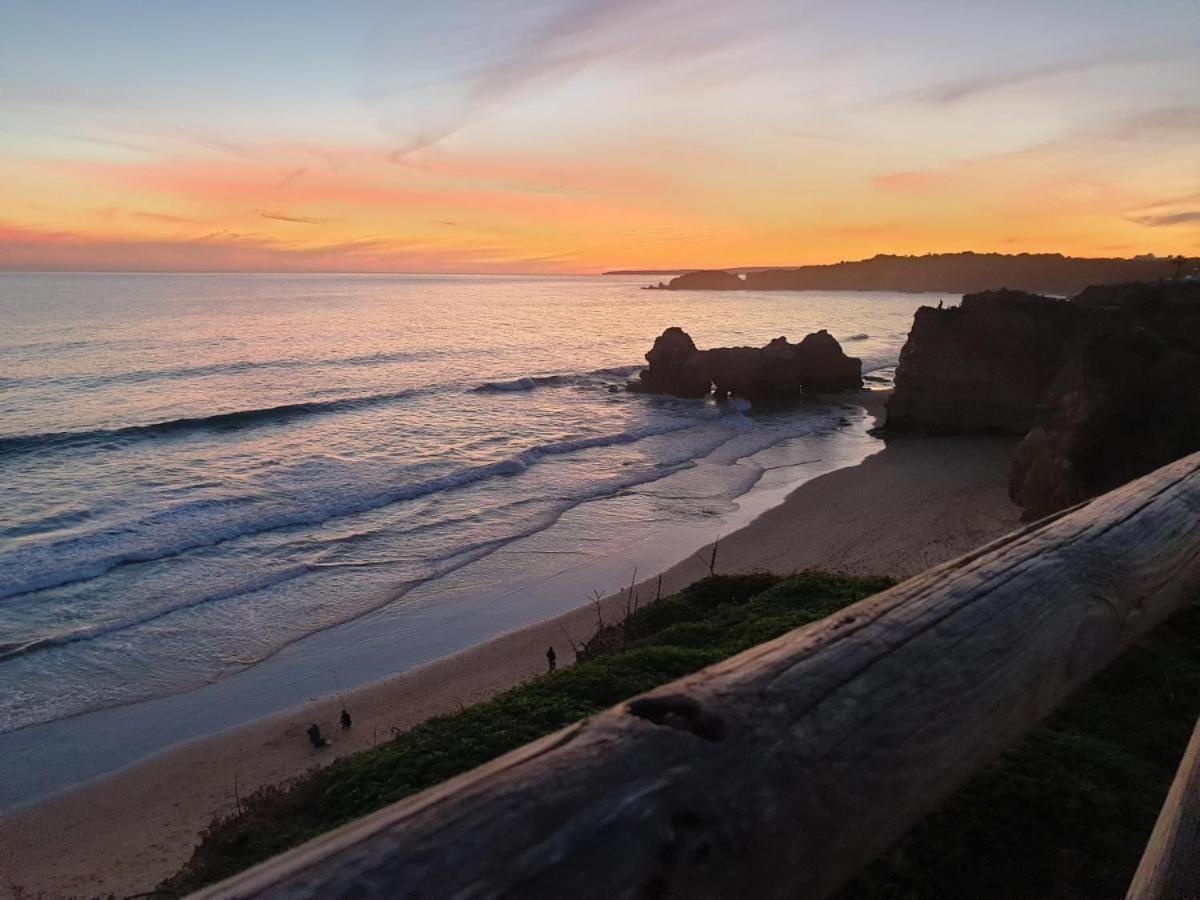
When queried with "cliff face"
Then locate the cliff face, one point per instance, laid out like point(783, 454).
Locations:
point(778, 372)
point(1104, 388)
point(983, 366)
point(1124, 404)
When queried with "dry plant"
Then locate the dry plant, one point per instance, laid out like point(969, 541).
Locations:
point(711, 562)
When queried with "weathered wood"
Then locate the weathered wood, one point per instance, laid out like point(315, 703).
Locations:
point(782, 771)
point(1170, 867)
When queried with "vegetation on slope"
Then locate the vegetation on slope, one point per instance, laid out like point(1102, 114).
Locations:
point(1065, 813)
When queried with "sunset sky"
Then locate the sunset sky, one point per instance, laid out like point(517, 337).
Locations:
point(506, 136)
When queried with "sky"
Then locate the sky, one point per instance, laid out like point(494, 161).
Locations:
point(584, 135)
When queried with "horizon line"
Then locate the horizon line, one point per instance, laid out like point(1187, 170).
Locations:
point(651, 270)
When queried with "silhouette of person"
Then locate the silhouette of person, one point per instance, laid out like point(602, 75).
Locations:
point(940, 304)
point(345, 720)
point(551, 660)
point(314, 735)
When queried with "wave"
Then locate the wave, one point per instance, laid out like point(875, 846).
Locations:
point(503, 387)
point(531, 382)
point(209, 522)
point(246, 418)
point(226, 421)
point(33, 645)
point(855, 337)
point(235, 367)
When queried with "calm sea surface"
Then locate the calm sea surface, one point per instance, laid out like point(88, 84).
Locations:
point(199, 470)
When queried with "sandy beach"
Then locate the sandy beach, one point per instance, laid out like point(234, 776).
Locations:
point(917, 502)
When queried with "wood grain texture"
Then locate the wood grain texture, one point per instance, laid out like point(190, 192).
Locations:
point(1170, 867)
point(782, 771)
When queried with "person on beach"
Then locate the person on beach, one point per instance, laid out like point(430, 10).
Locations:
point(315, 737)
point(551, 660)
point(345, 721)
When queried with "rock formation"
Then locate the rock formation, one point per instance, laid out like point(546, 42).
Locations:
point(778, 372)
point(1124, 404)
point(1104, 388)
point(671, 351)
point(983, 366)
point(822, 366)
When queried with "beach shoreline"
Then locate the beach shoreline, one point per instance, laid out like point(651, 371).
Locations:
point(916, 502)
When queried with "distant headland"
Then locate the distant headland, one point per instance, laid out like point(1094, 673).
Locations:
point(952, 273)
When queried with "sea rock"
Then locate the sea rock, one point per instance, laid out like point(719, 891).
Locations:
point(666, 373)
point(707, 280)
point(824, 367)
point(1125, 403)
point(778, 372)
point(983, 366)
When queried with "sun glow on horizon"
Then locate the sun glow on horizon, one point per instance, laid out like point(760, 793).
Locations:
point(583, 136)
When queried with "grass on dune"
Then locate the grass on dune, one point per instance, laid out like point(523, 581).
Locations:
point(1064, 813)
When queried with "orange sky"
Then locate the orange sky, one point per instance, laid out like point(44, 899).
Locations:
point(575, 137)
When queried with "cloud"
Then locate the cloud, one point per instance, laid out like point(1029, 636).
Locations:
point(1102, 144)
point(116, 143)
point(581, 34)
point(31, 249)
point(291, 176)
point(164, 217)
point(158, 141)
point(301, 220)
point(1149, 124)
point(214, 143)
point(1168, 219)
point(956, 90)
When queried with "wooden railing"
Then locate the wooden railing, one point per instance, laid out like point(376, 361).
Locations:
point(784, 770)
point(1170, 867)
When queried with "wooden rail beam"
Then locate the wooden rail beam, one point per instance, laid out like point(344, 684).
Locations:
point(1170, 867)
point(782, 771)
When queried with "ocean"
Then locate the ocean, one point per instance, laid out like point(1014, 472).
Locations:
point(199, 471)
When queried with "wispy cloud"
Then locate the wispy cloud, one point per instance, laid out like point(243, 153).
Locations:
point(111, 142)
point(164, 217)
point(215, 143)
point(581, 34)
point(278, 216)
point(1149, 124)
point(1145, 129)
point(1191, 197)
point(1168, 219)
point(968, 87)
point(25, 248)
point(291, 175)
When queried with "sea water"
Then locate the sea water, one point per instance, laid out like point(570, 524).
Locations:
point(200, 470)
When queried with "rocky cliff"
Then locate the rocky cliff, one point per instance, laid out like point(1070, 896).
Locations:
point(778, 372)
point(983, 366)
point(1125, 403)
point(1104, 388)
